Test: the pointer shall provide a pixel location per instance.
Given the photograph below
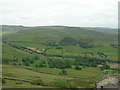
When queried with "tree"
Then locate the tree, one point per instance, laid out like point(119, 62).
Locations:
point(68, 41)
point(41, 64)
point(63, 72)
point(37, 82)
point(77, 67)
point(105, 66)
point(3, 81)
point(27, 63)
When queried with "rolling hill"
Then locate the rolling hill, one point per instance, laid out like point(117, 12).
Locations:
point(58, 56)
point(57, 33)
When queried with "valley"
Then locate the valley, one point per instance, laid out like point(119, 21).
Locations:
point(57, 56)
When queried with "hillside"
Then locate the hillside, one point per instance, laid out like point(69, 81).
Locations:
point(104, 30)
point(9, 29)
point(58, 56)
point(47, 34)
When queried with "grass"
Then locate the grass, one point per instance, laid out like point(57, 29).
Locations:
point(30, 75)
point(113, 65)
point(112, 53)
point(13, 84)
point(45, 35)
point(87, 73)
point(39, 38)
point(47, 75)
point(101, 41)
point(27, 44)
point(11, 53)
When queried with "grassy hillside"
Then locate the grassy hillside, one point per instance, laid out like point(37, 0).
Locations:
point(11, 53)
point(40, 37)
point(20, 73)
point(9, 29)
point(104, 30)
point(57, 56)
point(45, 35)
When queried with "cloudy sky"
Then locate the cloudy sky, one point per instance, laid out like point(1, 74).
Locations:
point(83, 13)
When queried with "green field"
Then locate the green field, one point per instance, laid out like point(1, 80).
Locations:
point(24, 74)
point(64, 57)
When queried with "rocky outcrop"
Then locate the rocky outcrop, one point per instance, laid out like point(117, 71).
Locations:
point(109, 82)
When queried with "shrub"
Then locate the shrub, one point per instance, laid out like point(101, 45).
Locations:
point(77, 67)
point(19, 82)
point(3, 81)
point(37, 82)
point(63, 72)
point(105, 66)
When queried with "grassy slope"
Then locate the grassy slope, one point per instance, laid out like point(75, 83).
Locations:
point(44, 35)
point(9, 52)
point(48, 34)
point(46, 74)
point(9, 29)
point(24, 74)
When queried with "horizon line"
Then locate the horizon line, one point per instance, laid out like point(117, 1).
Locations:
point(55, 25)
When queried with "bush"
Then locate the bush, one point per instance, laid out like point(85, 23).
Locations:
point(37, 82)
point(105, 66)
point(19, 83)
point(3, 81)
point(63, 72)
point(77, 67)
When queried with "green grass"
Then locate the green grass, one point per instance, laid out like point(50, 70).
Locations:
point(87, 73)
point(25, 74)
point(47, 75)
point(112, 53)
point(9, 52)
point(50, 34)
point(113, 65)
point(39, 38)
point(12, 84)
point(45, 35)
point(54, 51)
point(27, 44)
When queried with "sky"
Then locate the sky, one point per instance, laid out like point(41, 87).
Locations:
point(81, 13)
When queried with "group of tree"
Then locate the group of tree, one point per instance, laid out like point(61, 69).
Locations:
point(41, 64)
point(84, 42)
point(77, 67)
point(87, 62)
point(105, 66)
point(68, 41)
point(63, 72)
point(27, 61)
point(59, 63)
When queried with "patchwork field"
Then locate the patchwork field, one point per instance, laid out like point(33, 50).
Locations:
point(57, 56)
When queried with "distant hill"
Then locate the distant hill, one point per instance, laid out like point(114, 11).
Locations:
point(9, 29)
point(15, 28)
point(103, 30)
point(46, 34)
